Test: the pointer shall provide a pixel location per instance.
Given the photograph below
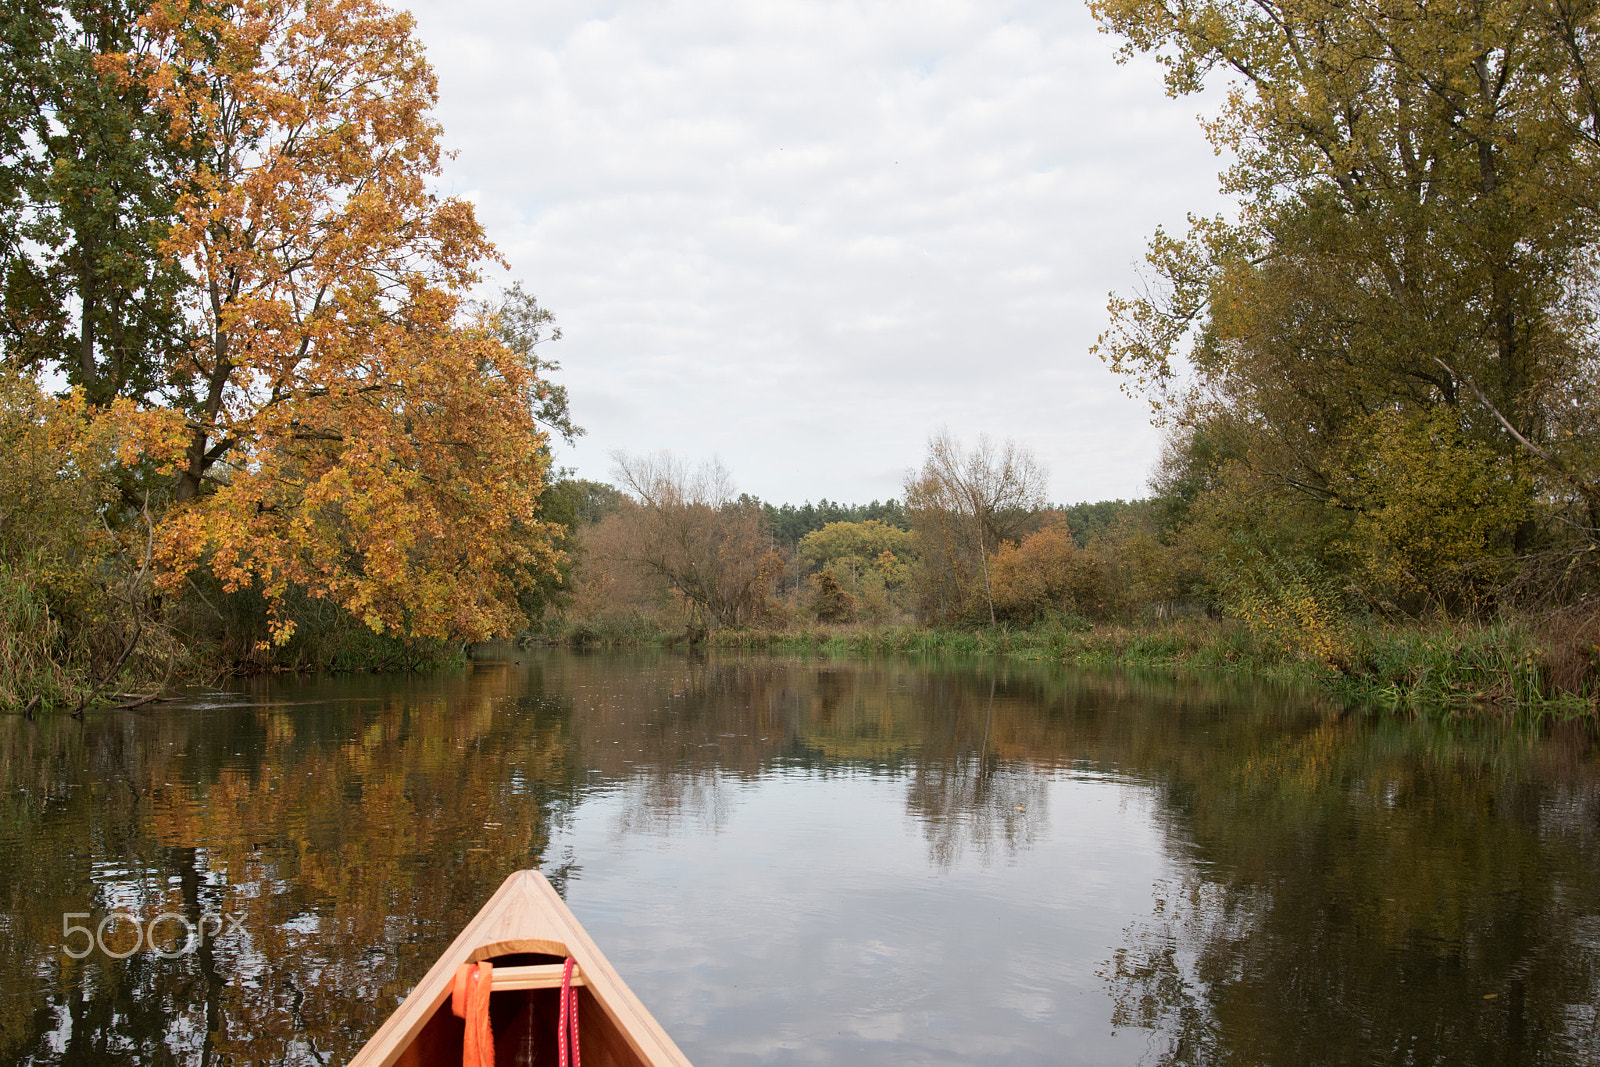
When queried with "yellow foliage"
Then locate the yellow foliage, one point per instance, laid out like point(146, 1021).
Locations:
point(1291, 614)
point(1431, 503)
point(866, 546)
point(392, 507)
point(1271, 567)
point(345, 431)
point(57, 461)
point(67, 582)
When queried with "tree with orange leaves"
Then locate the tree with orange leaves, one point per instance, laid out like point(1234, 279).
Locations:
point(351, 429)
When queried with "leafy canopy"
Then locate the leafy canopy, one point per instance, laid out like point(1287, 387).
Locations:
point(351, 428)
point(1408, 287)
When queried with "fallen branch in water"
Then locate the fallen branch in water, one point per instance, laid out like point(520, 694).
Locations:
point(138, 700)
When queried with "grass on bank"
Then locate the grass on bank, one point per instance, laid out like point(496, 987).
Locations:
point(30, 671)
point(1507, 666)
point(67, 652)
point(1504, 665)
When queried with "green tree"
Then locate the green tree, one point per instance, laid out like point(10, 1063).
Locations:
point(1432, 504)
point(874, 561)
point(89, 176)
point(522, 325)
point(789, 523)
point(864, 546)
point(1089, 522)
point(1416, 232)
point(568, 507)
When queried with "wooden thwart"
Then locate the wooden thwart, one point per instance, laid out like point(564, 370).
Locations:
point(537, 976)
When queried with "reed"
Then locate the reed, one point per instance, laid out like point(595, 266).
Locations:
point(33, 672)
point(1510, 665)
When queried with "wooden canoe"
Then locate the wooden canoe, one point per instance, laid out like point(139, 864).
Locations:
point(526, 931)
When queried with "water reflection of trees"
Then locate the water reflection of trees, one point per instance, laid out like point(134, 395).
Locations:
point(354, 825)
point(1376, 893)
point(976, 741)
point(977, 807)
point(352, 837)
point(1348, 889)
point(975, 802)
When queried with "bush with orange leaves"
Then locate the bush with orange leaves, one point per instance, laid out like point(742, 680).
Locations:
point(1048, 573)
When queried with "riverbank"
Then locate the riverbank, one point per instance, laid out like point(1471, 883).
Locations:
point(1520, 667)
point(1513, 667)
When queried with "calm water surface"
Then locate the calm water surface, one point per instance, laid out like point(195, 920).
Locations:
point(815, 861)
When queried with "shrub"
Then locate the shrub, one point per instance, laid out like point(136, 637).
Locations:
point(830, 602)
point(75, 613)
point(1049, 574)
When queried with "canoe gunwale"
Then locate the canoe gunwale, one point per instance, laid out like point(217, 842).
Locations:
point(525, 915)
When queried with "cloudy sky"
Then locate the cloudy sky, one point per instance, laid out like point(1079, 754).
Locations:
point(802, 235)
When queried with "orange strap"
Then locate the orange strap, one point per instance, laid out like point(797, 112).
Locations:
point(469, 1000)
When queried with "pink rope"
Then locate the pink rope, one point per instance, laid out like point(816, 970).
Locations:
point(567, 1021)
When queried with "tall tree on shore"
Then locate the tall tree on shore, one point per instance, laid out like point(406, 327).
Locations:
point(1407, 292)
point(88, 173)
point(685, 526)
point(964, 504)
point(351, 429)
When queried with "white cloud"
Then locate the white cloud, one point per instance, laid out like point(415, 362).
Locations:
point(803, 235)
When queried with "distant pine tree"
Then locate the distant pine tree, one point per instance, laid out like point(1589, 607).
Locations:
point(789, 523)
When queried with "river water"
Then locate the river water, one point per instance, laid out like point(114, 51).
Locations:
point(798, 860)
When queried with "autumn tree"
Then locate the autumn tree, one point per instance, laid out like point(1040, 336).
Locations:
point(686, 526)
point(963, 505)
point(77, 613)
point(352, 430)
point(1408, 285)
point(829, 600)
point(874, 560)
point(861, 547)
